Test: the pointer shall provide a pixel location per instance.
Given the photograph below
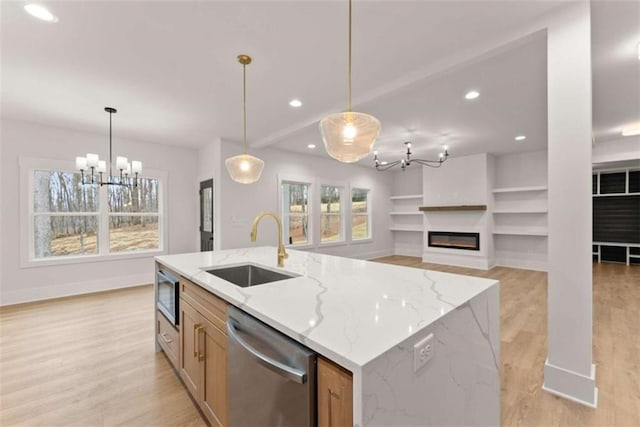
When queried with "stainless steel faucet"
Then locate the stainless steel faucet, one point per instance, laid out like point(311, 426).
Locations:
point(282, 253)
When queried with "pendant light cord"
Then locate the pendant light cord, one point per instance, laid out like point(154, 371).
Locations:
point(349, 91)
point(244, 107)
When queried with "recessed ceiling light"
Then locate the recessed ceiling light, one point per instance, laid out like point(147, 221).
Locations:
point(520, 138)
point(295, 103)
point(472, 94)
point(631, 130)
point(311, 145)
point(384, 162)
point(40, 12)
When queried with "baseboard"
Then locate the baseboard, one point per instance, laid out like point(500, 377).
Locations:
point(71, 289)
point(522, 263)
point(571, 385)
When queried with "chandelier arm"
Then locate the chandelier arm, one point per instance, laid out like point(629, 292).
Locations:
point(381, 168)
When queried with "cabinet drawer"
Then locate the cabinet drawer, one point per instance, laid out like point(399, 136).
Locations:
point(209, 305)
point(167, 337)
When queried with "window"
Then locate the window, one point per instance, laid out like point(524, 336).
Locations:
point(295, 212)
point(68, 220)
point(65, 215)
point(331, 214)
point(360, 214)
point(133, 217)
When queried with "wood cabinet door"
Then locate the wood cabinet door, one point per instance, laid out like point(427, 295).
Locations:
point(213, 397)
point(335, 395)
point(191, 323)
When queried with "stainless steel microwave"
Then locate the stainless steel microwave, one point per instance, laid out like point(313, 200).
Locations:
point(168, 296)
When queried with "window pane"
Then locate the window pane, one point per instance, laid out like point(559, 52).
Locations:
point(359, 201)
point(359, 227)
point(65, 235)
point(132, 233)
point(63, 192)
point(295, 198)
point(329, 199)
point(331, 228)
point(295, 208)
point(143, 198)
point(297, 231)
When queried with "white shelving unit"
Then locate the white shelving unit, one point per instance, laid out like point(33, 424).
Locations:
point(406, 216)
point(520, 189)
point(520, 211)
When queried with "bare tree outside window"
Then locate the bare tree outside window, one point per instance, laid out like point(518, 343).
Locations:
point(65, 215)
point(360, 214)
point(331, 214)
point(295, 212)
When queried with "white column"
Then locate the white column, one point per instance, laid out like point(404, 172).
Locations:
point(569, 371)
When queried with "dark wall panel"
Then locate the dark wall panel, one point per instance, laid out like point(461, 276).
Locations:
point(616, 219)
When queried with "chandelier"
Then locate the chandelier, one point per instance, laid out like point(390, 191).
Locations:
point(244, 168)
point(349, 136)
point(407, 161)
point(92, 162)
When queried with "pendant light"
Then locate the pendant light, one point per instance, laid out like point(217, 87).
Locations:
point(349, 136)
point(244, 168)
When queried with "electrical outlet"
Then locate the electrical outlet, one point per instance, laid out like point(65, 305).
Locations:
point(422, 352)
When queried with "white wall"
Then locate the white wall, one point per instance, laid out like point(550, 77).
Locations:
point(240, 203)
point(459, 181)
point(521, 169)
point(623, 149)
point(33, 283)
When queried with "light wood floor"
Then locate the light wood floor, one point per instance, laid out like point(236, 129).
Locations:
point(90, 361)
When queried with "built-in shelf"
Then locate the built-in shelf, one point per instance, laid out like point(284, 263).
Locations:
point(409, 197)
point(521, 231)
point(405, 213)
point(520, 189)
point(520, 211)
point(411, 229)
point(453, 208)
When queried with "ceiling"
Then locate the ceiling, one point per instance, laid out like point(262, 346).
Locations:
point(170, 68)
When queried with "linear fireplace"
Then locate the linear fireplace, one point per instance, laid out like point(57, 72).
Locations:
point(454, 240)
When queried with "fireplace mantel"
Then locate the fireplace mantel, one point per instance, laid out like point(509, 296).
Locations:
point(453, 208)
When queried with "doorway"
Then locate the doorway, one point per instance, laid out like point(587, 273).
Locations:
point(206, 215)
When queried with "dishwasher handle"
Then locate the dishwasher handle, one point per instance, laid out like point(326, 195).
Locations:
point(281, 369)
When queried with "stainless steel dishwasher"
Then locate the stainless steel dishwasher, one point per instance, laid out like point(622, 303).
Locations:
point(271, 378)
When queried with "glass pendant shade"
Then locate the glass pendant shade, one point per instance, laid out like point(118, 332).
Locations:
point(349, 136)
point(244, 168)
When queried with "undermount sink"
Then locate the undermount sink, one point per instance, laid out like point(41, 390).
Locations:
point(246, 275)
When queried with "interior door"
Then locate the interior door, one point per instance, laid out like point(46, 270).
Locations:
point(206, 215)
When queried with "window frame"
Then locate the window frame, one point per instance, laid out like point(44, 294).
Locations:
point(369, 238)
point(27, 167)
point(344, 189)
point(311, 217)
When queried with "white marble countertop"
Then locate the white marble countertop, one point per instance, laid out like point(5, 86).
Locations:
point(348, 310)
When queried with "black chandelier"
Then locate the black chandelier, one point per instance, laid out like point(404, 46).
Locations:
point(383, 166)
point(92, 162)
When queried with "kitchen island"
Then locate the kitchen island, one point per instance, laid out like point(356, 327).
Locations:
point(367, 317)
